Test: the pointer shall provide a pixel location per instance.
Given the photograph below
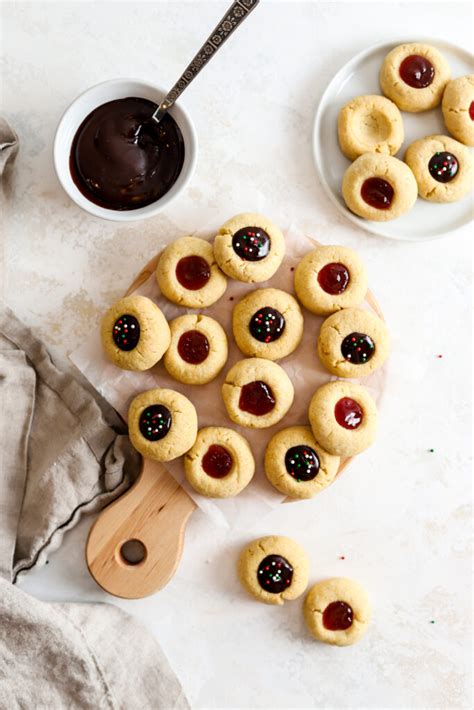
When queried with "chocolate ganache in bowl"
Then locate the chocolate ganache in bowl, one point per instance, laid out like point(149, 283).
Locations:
point(114, 160)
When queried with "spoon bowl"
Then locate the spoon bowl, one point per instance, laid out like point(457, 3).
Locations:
point(90, 100)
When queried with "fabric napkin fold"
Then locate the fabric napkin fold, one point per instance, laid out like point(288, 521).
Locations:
point(62, 453)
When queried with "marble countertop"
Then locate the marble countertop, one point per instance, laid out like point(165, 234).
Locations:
point(400, 516)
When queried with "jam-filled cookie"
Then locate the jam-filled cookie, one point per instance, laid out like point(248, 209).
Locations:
point(188, 274)
point(274, 569)
point(257, 393)
point(220, 464)
point(198, 349)
point(296, 465)
point(337, 611)
point(379, 187)
point(414, 76)
point(135, 333)
point(162, 424)
point(353, 343)
point(458, 108)
point(249, 248)
point(330, 278)
point(442, 167)
point(267, 323)
point(369, 124)
point(343, 417)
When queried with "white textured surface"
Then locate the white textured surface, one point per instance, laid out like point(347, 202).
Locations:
point(400, 515)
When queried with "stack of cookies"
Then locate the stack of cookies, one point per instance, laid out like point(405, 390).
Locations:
point(377, 186)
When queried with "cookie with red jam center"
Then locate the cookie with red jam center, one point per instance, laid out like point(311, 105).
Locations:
point(220, 464)
point(257, 393)
point(343, 418)
point(458, 108)
point(414, 76)
point(198, 349)
point(337, 611)
point(188, 275)
point(330, 278)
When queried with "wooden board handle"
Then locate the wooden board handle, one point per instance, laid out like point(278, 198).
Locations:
point(135, 545)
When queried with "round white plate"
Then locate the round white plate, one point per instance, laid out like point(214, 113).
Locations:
point(426, 220)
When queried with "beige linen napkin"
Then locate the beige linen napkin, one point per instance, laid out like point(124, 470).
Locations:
point(61, 454)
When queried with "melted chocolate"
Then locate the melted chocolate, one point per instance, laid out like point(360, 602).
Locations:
point(155, 422)
point(443, 167)
point(338, 616)
point(256, 398)
point(357, 348)
point(217, 461)
point(193, 347)
point(126, 332)
point(121, 159)
point(417, 71)
point(334, 278)
point(251, 243)
point(377, 193)
point(193, 272)
point(267, 325)
point(302, 463)
point(348, 413)
point(274, 574)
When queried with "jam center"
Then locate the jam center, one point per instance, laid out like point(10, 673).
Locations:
point(256, 398)
point(417, 71)
point(348, 413)
point(217, 461)
point(377, 193)
point(302, 463)
point(471, 110)
point(126, 332)
point(333, 278)
point(443, 167)
point(193, 347)
point(338, 616)
point(357, 348)
point(193, 272)
point(274, 574)
point(155, 422)
point(251, 243)
point(267, 325)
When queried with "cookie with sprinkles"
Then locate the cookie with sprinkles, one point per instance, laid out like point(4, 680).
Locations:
point(274, 569)
point(296, 465)
point(267, 323)
point(135, 334)
point(443, 168)
point(249, 247)
point(162, 424)
point(353, 342)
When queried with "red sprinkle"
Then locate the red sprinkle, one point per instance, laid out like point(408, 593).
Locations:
point(439, 356)
point(342, 557)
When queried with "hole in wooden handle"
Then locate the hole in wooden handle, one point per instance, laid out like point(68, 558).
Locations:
point(132, 552)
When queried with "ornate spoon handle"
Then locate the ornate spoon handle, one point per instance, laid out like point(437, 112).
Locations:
point(234, 16)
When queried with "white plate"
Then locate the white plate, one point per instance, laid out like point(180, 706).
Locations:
point(426, 220)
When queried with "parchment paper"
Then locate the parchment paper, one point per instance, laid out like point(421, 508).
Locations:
point(119, 387)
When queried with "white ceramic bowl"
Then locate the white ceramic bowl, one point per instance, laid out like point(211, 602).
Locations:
point(87, 102)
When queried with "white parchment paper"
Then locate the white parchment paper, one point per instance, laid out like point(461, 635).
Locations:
point(119, 387)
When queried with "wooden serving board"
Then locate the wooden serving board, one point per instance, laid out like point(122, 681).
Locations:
point(135, 545)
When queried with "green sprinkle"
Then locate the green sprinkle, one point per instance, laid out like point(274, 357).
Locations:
point(432, 621)
point(431, 451)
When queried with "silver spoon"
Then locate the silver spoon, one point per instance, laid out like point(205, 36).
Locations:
point(234, 16)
